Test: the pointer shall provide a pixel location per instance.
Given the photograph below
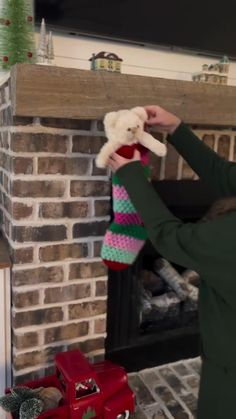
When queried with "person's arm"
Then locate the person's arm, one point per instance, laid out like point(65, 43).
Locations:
point(217, 172)
point(204, 247)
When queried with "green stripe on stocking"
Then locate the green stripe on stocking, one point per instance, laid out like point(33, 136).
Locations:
point(136, 231)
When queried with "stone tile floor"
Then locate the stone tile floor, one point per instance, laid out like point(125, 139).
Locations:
point(168, 391)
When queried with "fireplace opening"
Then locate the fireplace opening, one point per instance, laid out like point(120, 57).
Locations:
point(149, 319)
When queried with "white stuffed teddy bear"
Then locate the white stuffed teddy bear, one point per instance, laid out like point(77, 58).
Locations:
point(126, 127)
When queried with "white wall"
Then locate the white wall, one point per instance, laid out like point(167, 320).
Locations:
point(74, 51)
point(5, 332)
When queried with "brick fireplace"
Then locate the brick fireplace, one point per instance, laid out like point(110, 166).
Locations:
point(55, 204)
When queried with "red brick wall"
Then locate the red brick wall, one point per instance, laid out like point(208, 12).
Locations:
point(173, 167)
point(55, 208)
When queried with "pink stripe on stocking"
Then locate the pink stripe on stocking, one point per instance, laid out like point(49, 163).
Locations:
point(119, 192)
point(121, 241)
point(128, 218)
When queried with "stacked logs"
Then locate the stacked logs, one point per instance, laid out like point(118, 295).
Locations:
point(166, 293)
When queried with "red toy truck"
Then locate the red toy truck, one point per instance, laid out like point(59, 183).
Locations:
point(98, 391)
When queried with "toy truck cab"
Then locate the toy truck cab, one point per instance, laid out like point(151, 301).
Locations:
point(93, 391)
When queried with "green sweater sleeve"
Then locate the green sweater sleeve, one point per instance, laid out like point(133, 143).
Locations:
point(217, 172)
point(203, 247)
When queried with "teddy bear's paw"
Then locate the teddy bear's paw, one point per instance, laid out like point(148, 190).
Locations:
point(162, 150)
point(100, 162)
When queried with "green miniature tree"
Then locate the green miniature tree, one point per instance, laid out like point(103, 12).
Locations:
point(22, 402)
point(31, 409)
point(17, 44)
point(90, 413)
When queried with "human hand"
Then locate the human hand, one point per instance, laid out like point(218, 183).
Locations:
point(116, 161)
point(165, 121)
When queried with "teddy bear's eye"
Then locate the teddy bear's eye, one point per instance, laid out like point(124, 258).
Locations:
point(128, 129)
point(137, 126)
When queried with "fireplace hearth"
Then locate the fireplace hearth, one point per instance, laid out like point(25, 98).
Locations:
point(149, 321)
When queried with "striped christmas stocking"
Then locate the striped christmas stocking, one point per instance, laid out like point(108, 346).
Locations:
point(126, 235)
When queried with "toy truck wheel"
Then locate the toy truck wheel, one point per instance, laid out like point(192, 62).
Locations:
point(124, 415)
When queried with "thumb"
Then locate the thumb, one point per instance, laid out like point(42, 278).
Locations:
point(151, 120)
point(137, 155)
point(147, 122)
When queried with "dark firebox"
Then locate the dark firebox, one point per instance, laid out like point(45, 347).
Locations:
point(153, 305)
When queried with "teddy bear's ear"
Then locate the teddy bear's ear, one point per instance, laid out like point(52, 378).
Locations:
point(110, 119)
point(140, 112)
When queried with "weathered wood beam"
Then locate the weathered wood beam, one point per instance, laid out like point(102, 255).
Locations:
point(57, 92)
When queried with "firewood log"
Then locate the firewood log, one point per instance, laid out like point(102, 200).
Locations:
point(191, 277)
point(184, 289)
point(166, 271)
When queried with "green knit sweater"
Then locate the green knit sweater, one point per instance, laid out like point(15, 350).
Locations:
point(208, 247)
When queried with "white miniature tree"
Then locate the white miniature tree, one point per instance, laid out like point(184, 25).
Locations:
point(50, 49)
point(42, 48)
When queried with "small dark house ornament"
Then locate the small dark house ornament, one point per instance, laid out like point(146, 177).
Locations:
point(106, 61)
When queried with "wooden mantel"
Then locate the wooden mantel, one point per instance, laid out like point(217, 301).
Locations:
point(59, 92)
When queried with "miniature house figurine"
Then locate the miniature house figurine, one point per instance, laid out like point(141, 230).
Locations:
point(213, 73)
point(107, 61)
point(224, 64)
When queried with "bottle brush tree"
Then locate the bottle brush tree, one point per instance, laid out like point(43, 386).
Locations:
point(22, 402)
point(17, 44)
point(90, 413)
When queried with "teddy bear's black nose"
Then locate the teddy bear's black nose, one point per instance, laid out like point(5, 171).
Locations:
point(134, 130)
